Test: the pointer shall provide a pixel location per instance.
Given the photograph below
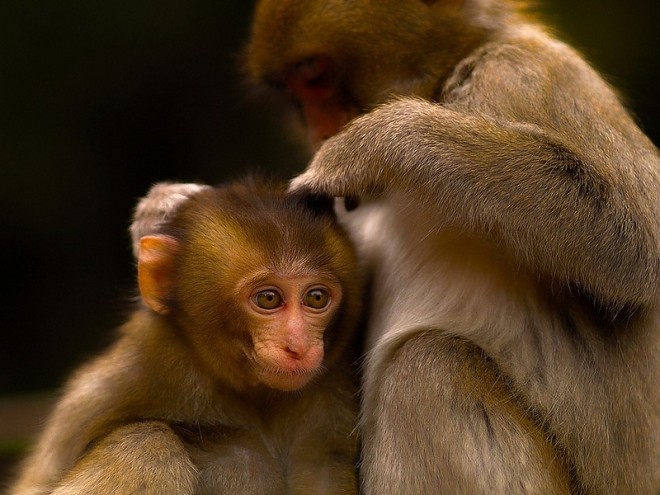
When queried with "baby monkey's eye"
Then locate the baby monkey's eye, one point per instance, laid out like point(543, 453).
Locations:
point(317, 298)
point(267, 299)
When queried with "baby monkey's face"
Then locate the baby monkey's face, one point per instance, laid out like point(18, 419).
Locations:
point(288, 316)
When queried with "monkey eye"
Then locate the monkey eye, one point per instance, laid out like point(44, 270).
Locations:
point(316, 298)
point(313, 79)
point(267, 299)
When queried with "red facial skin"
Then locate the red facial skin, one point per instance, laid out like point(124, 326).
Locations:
point(315, 86)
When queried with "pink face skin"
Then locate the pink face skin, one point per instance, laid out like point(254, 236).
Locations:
point(315, 85)
point(288, 317)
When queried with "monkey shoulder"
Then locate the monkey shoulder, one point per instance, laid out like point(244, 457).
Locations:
point(525, 76)
point(147, 373)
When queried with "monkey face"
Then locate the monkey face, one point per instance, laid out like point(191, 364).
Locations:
point(335, 67)
point(287, 318)
point(265, 287)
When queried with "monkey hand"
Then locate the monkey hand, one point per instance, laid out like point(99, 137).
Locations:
point(363, 160)
point(157, 207)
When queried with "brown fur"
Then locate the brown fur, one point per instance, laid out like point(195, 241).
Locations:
point(171, 408)
point(479, 129)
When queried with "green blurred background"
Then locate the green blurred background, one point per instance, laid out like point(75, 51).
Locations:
point(101, 99)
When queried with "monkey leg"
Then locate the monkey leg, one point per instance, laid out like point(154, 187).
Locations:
point(326, 466)
point(145, 458)
point(441, 419)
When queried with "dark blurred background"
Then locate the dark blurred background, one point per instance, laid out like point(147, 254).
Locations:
point(101, 99)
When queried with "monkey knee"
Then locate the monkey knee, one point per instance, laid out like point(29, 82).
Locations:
point(432, 360)
point(429, 380)
point(445, 419)
point(145, 437)
point(145, 457)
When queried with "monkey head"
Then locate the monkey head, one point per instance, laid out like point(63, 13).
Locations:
point(262, 285)
point(338, 59)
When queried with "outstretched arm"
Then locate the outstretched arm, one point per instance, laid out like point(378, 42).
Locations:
point(582, 222)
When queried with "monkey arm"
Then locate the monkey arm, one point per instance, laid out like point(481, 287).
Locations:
point(575, 217)
point(148, 458)
point(112, 390)
point(81, 416)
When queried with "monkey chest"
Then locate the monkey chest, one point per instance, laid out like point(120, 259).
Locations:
point(426, 275)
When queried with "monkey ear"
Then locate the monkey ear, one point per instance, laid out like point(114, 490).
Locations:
point(156, 260)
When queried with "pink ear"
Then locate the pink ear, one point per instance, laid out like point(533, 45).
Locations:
point(156, 270)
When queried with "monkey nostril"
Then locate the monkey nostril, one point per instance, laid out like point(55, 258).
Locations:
point(294, 353)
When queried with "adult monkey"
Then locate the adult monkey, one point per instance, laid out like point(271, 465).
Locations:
point(510, 214)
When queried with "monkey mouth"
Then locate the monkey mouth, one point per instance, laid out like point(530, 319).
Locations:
point(286, 379)
point(282, 369)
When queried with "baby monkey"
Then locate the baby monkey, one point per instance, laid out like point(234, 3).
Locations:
point(234, 375)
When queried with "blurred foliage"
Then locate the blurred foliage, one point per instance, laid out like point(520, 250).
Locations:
point(101, 99)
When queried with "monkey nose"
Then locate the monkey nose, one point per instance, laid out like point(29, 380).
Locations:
point(296, 351)
point(307, 357)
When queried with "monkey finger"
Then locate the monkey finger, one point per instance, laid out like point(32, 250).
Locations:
point(311, 184)
point(317, 201)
